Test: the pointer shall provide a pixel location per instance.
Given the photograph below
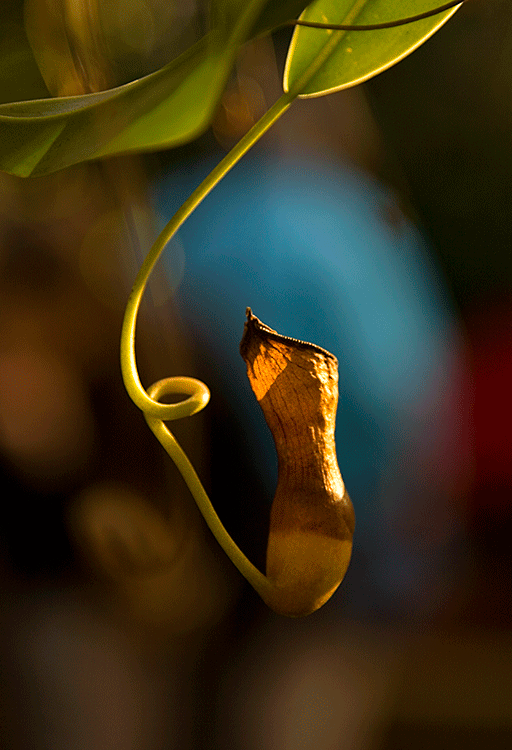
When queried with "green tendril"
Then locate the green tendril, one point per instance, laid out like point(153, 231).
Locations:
point(167, 387)
point(155, 412)
point(373, 26)
point(197, 393)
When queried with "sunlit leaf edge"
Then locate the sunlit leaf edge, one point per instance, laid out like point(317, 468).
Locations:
point(65, 106)
point(441, 20)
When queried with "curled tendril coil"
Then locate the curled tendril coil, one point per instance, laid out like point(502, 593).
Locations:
point(197, 392)
point(147, 401)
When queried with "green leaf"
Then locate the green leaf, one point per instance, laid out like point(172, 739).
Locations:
point(166, 108)
point(346, 58)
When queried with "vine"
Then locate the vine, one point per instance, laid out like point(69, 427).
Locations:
point(374, 26)
point(198, 395)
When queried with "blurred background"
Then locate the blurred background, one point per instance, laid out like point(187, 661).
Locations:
point(373, 222)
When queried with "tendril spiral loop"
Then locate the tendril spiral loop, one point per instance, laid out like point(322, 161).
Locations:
point(197, 392)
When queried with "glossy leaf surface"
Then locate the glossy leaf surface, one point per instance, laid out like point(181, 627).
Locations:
point(352, 57)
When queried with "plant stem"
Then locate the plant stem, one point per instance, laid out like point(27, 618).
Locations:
point(128, 359)
point(198, 394)
point(255, 577)
point(156, 412)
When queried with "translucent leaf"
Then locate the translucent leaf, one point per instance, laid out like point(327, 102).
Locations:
point(166, 108)
point(352, 57)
